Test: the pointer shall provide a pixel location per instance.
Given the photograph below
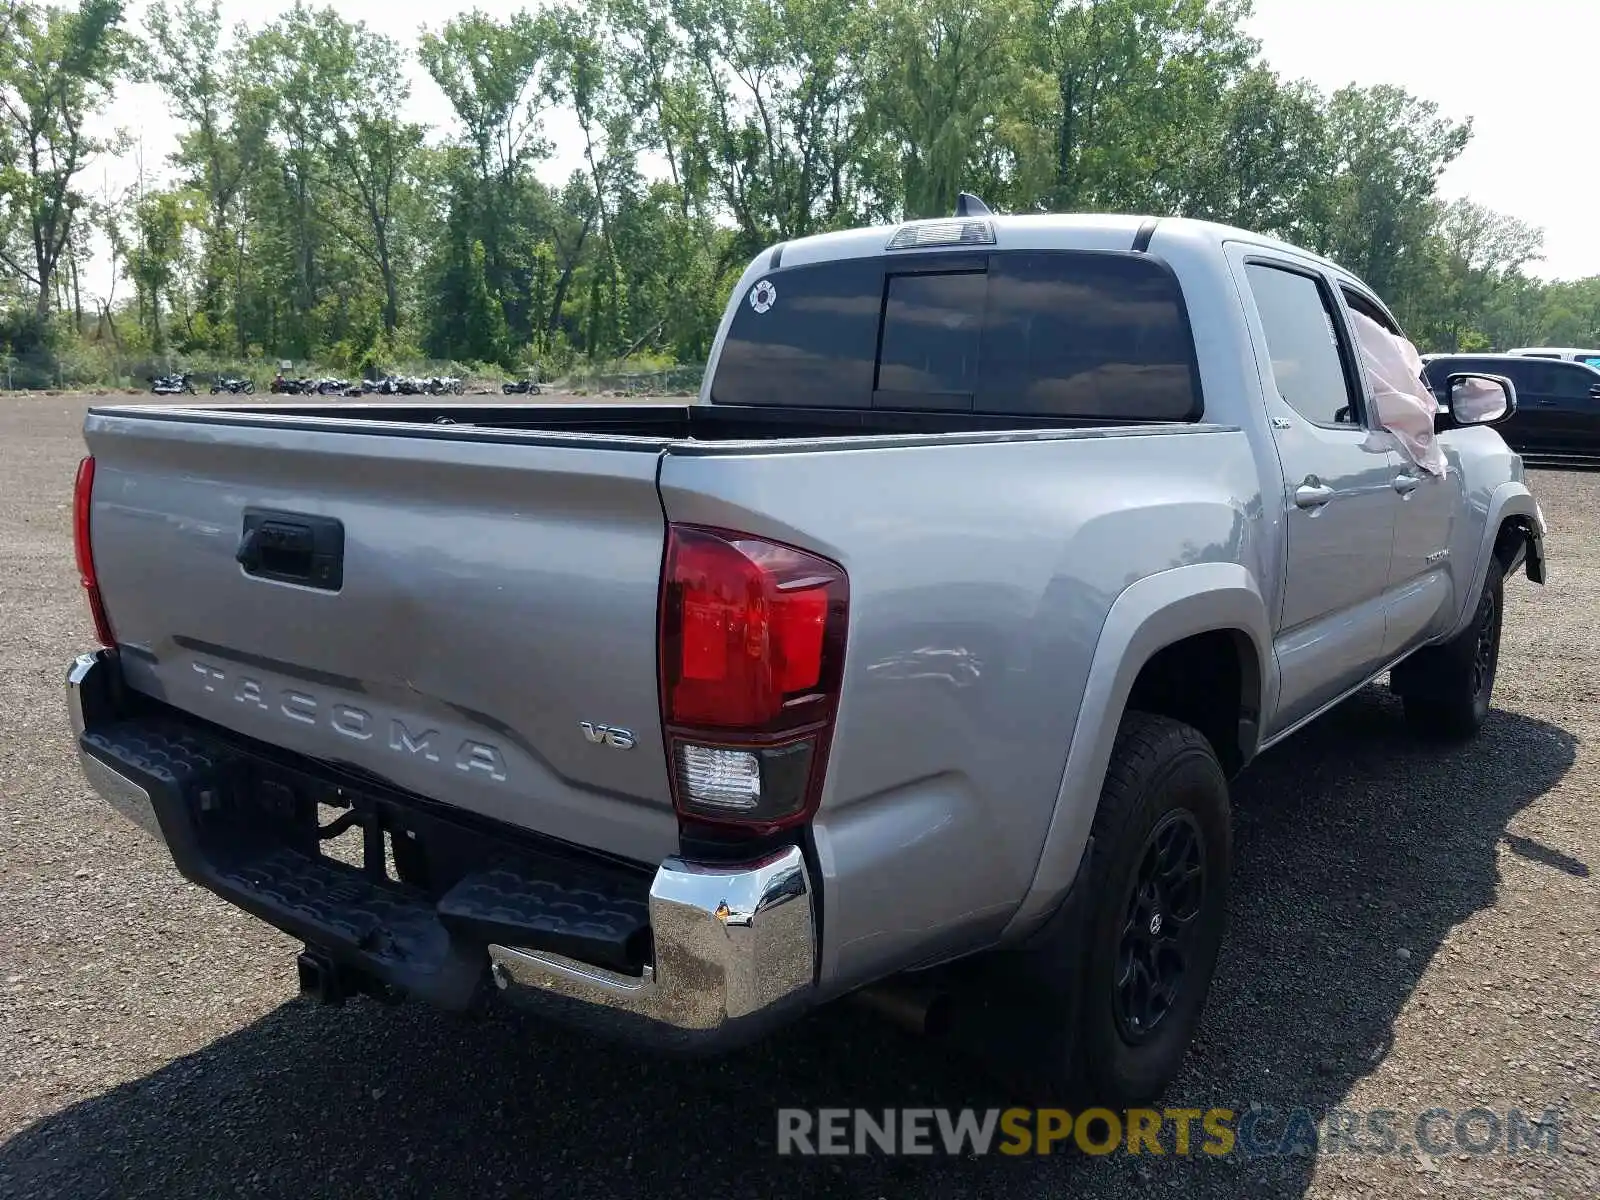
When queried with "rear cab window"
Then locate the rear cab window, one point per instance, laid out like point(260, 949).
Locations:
point(1093, 335)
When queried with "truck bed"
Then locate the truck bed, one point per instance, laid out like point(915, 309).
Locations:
point(489, 609)
point(631, 426)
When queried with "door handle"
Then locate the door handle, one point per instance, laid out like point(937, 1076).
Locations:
point(293, 548)
point(1312, 495)
point(1405, 484)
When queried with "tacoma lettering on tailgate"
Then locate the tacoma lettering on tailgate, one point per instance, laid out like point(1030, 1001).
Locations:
point(357, 724)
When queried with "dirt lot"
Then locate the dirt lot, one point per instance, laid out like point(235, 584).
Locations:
point(1410, 929)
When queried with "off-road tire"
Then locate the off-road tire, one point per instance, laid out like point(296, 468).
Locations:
point(1043, 1016)
point(1163, 774)
point(1447, 688)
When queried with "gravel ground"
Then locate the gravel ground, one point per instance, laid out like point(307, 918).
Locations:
point(1410, 929)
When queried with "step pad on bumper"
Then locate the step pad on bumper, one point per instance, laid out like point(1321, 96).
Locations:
point(246, 828)
point(380, 919)
point(507, 908)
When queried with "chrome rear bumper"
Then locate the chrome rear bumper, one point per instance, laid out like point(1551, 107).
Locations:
point(734, 946)
point(88, 691)
point(735, 949)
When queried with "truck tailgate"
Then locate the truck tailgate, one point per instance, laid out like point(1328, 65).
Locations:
point(496, 612)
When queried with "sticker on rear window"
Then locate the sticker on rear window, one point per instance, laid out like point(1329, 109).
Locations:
point(763, 296)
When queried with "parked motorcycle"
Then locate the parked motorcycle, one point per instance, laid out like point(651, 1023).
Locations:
point(171, 385)
point(520, 387)
point(232, 386)
point(284, 386)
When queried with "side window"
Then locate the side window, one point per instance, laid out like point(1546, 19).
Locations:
point(1574, 382)
point(1304, 343)
point(1441, 369)
point(1371, 311)
point(1535, 377)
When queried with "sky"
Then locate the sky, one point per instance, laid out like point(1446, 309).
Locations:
point(1526, 71)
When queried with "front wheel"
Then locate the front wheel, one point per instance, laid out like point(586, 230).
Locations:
point(1447, 689)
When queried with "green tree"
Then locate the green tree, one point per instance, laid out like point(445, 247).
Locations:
point(1475, 254)
point(497, 77)
point(944, 74)
point(1134, 80)
point(58, 67)
point(1389, 149)
point(782, 92)
point(226, 126)
point(469, 324)
point(152, 259)
point(1264, 163)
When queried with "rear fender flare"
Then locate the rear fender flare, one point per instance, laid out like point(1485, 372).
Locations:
point(1149, 615)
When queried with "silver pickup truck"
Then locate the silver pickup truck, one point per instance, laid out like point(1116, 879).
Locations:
point(922, 645)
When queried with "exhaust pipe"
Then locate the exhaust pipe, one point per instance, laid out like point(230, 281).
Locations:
point(922, 1010)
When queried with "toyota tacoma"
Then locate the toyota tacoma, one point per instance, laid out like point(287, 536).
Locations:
point(922, 644)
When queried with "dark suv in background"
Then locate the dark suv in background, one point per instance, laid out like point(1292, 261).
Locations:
point(1558, 403)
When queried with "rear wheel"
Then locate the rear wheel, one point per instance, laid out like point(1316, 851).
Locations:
point(1113, 989)
point(1158, 907)
point(1447, 689)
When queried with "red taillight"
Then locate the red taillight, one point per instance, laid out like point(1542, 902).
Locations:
point(82, 494)
point(752, 650)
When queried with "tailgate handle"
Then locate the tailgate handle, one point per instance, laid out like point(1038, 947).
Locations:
point(293, 548)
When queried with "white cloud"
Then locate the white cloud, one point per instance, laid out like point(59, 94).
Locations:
point(1524, 70)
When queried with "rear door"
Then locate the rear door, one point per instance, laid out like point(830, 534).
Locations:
point(490, 598)
point(1339, 500)
point(1573, 408)
point(1536, 424)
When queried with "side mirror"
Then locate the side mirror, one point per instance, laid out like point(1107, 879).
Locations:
point(1480, 399)
point(1594, 390)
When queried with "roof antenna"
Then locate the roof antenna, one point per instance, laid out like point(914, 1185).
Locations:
point(968, 205)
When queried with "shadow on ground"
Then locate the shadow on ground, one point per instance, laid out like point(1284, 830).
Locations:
point(1353, 843)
